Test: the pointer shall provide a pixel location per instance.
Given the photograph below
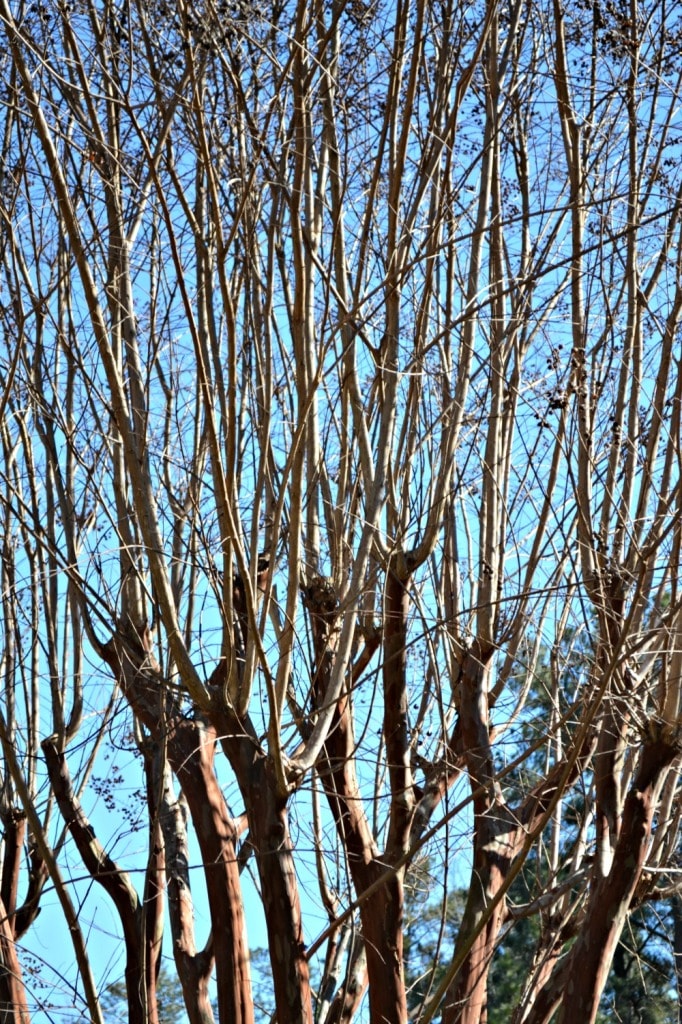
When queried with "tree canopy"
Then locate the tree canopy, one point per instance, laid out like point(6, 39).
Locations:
point(340, 412)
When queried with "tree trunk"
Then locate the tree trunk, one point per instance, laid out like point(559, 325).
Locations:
point(382, 920)
point(13, 1002)
point(382, 913)
point(494, 838)
point(269, 835)
point(191, 752)
point(191, 749)
point(590, 958)
point(466, 1002)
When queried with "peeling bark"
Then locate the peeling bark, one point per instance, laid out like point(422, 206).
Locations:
point(191, 748)
point(13, 1001)
point(271, 841)
point(190, 745)
point(381, 914)
point(194, 968)
point(590, 958)
point(495, 838)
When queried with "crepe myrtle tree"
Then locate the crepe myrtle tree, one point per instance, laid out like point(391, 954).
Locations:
point(340, 377)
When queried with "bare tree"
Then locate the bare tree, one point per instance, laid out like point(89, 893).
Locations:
point(341, 397)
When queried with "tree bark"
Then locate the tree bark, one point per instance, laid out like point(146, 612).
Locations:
point(194, 968)
point(495, 836)
point(271, 840)
point(190, 744)
point(191, 750)
point(13, 1001)
point(382, 914)
point(266, 810)
point(590, 958)
point(466, 1001)
point(677, 950)
point(109, 875)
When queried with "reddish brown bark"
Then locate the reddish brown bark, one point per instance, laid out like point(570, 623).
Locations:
point(382, 922)
point(109, 875)
point(590, 958)
point(577, 985)
point(382, 914)
point(13, 998)
point(21, 918)
point(14, 829)
point(266, 808)
point(274, 853)
point(466, 1000)
point(396, 728)
point(38, 874)
point(193, 968)
point(190, 745)
point(271, 841)
point(13, 1001)
point(154, 889)
point(191, 749)
point(495, 839)
point(499, 831)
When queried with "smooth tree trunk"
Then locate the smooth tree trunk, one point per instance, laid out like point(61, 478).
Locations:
point(270, 839)
point(382, 913)
point(190, 744)
point(590, 958)
point(191, 748)
point(13, 999)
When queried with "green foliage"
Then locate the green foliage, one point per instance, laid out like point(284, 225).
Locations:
point(509, 969)
point(640, 988)
point(169, 994)
point(641, 985)
point(261, 980)
point(429, 941)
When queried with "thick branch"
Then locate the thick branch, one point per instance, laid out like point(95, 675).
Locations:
point(611, 899)
point(106, 871)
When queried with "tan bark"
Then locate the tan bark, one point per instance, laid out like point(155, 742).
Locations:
point(13, 999)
